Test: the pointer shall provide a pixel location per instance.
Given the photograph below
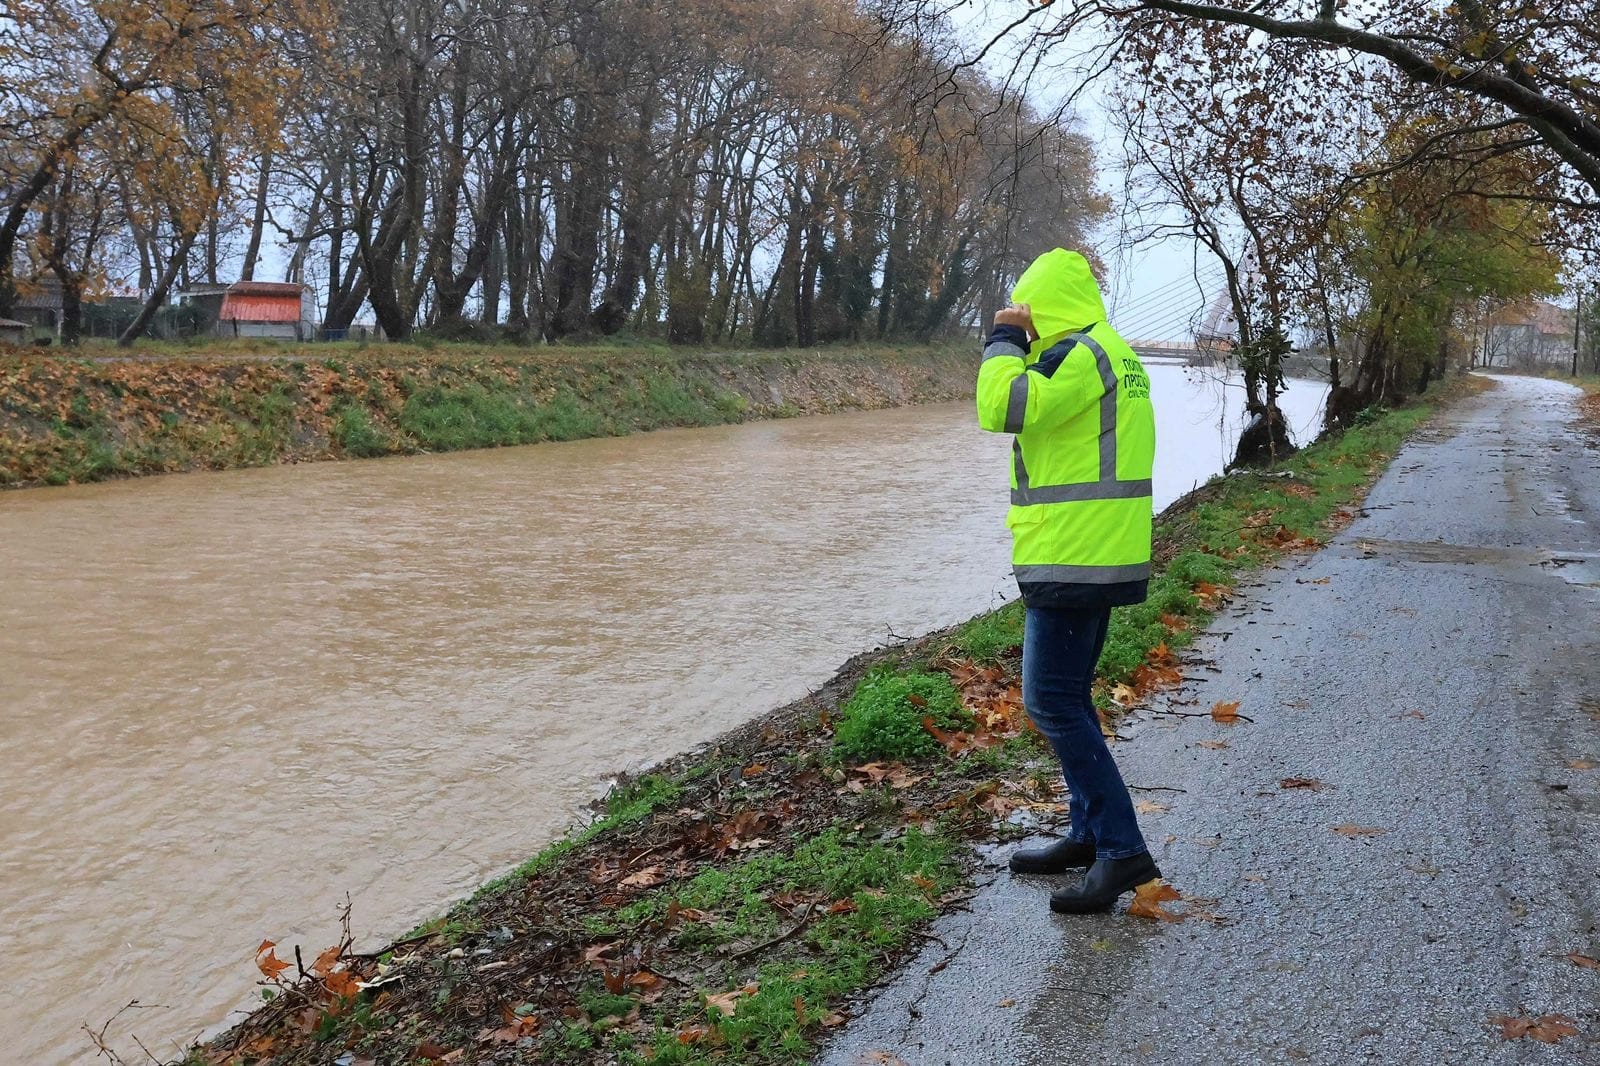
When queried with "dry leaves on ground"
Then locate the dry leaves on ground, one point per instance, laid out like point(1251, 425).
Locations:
point(1547, 1028)
point(1225, 712)
point(1587, 962)
point(1309, 783)
point(1148, 899)
point(1348, 830)
point(1151, 807)
point(728, 1002)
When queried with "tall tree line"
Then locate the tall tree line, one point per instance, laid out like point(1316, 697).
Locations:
point(707, 171)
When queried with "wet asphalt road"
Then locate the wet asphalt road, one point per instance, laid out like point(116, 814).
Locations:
point(1439, 683)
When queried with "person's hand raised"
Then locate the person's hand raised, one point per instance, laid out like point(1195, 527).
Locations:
point(1020, 315)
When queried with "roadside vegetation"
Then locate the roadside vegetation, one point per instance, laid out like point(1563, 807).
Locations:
point(75, 420)
point(729, 906)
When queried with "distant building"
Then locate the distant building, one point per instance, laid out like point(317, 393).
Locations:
point(272, 309)
point(1538, 334)
point(38, 303)
point(14, 332)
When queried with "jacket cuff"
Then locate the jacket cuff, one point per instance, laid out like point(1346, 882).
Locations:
point(1012, 335)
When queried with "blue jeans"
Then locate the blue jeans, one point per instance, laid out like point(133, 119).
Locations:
point(1059, 653)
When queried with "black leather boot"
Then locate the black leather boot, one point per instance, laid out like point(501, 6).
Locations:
point(1056, 857)
point(1106, 880)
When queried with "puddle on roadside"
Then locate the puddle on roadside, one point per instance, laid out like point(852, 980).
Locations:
point(1574, 569)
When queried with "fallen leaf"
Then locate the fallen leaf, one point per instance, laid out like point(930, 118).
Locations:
point(832, 1019)
point(728, 1002)
point(1348, 830)
point(880, 1058)
point(1226, 713)
point(1547, 1028)
point(325, 962)
point(1581, 764)
point(755, 769)
point(692, 1034)
point(267, 960)
point(1418, 715)
point(1585, 961)
point(649, 877)
point(1123, 696)
point(1214, 745)
point(1006, 1003)
point(1309, 783)
point(1151, 807)
point(1148, 898)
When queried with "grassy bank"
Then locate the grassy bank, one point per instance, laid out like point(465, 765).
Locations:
point(88, 419)
point(729, 906)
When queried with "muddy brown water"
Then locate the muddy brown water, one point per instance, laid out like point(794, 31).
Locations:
point(227, 700)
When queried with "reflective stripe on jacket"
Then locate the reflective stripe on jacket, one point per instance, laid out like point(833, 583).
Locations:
point(1084, 446)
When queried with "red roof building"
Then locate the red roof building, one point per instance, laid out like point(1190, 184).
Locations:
point(254, 309)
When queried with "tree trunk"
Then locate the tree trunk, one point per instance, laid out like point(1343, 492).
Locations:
point(258, 220)
point(158, 295)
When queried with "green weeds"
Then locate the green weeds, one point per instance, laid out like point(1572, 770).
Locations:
point(863, 898)
point(883, 720)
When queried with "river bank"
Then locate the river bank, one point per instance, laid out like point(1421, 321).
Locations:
point(733, 901)
point(68, 421)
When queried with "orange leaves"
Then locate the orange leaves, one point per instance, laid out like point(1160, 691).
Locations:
point(1148, 899)
point(1547, 1029)
point(268, 962)
point(957, 741)
point(894, 774)
point(1211, 596)
point(515, 1028)
point(1583, 961)
point(1226, 713)
point(1158, 671)
point(1348, 830)
point(994, 700)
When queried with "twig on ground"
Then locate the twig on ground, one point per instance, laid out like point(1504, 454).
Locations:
point(805, 919)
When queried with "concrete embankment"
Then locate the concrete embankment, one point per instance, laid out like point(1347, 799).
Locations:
point(64, 421)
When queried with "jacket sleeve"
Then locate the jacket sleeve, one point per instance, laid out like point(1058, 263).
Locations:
point(1011, 397)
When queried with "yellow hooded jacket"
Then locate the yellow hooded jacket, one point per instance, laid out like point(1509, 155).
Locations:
point(1078, 402)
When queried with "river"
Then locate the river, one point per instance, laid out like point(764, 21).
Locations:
point(229, 699)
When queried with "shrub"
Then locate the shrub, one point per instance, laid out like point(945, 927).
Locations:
point(883, 719)
point(355, 434)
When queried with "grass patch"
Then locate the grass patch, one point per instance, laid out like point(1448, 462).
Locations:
point(883, 719)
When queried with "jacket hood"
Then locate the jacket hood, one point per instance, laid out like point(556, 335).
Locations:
point(1062, 292)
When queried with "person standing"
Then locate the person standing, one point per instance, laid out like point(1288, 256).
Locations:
point(1076, 400)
